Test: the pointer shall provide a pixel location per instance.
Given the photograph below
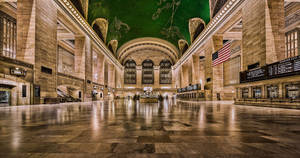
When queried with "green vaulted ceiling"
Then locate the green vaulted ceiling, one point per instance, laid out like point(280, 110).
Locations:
point(165, 19)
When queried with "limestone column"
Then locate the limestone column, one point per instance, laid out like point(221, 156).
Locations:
point(184, 76)
point(280, 90)
point(208, 66)
point(101, 69)
point(26, 30)
point(190, 72)
point(176, 77)
point(111, 76)
point(37, 42)
point(275, 35)
point(138, 76)
point(80, 56)
point(217, 87)
point(156, 77)
point(105, 90)
point(263, 32)
point(195, 68)
point(88, 70)
point(181, 77)
point(238, 93)
point(95, 67)
point(119, 77)
point(202, 80)
point(263, 91)
point(111, 79)
point(250, 93)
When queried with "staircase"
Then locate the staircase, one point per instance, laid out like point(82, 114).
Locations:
point(65, 97)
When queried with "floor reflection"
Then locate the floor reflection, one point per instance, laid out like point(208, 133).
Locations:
point(125, 128)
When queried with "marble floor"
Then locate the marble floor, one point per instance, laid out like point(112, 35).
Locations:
point(168, 129)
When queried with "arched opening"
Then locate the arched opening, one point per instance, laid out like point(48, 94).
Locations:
point(185, 48)
point(165, 72)
point(130, 72)
point(110, 48)
point(98, 31)
point(199, 29)
point(148, 73)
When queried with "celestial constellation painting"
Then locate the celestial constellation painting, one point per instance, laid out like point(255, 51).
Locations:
point(131, 19)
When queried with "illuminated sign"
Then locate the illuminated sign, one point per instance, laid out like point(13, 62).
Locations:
point(189, 88)
point(287, 67)
point(18, 72)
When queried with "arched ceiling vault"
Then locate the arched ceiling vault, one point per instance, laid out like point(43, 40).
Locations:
point(150, 45)
point(131, 19)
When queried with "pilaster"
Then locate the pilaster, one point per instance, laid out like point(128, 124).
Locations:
point(139, 76)
point(156, 76)
point(37, 43)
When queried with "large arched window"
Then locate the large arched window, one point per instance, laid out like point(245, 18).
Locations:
point(130, 72)
point(165, 72)
point(8, 35)
point(148, 75)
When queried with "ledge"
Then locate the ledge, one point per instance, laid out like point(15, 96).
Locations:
point(15, 61)
point(267, 103)
point(69, 76)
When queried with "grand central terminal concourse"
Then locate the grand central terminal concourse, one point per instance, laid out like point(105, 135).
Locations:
point(149, 79)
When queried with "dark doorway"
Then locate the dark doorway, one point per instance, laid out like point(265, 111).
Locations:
point(218, 96)
point(4, 98)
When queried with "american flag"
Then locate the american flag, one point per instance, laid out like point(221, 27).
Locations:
point(222, 55)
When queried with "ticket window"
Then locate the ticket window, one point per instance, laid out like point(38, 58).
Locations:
point(273, 92)
point(5, 96)
point(257, 92)
point(245, 93)
point(79, 94)
point(293, 91)
point(37, 94)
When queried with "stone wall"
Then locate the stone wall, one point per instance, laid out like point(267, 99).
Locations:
point(254, 48)
point(46, 47)
point(26, 28)
point(263, 26)
point(88, 70)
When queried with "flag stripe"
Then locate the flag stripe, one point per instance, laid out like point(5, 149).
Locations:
point(222, 55)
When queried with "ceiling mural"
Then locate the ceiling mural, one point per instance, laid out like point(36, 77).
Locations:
point(131, 19)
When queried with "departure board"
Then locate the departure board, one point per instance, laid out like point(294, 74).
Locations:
point(297, 64)
point(283, 68)
point(189, 88)
point(256, 73)
point(253, 75)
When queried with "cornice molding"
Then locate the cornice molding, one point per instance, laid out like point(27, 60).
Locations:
point(74, 14)
point(223, 16)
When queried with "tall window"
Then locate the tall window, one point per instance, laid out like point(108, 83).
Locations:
point(148, 74)
point(165, 72)
point(292, 43)
point(8, 36)
point(130, 72)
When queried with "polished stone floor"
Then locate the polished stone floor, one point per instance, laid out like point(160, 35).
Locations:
point(169, 129)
